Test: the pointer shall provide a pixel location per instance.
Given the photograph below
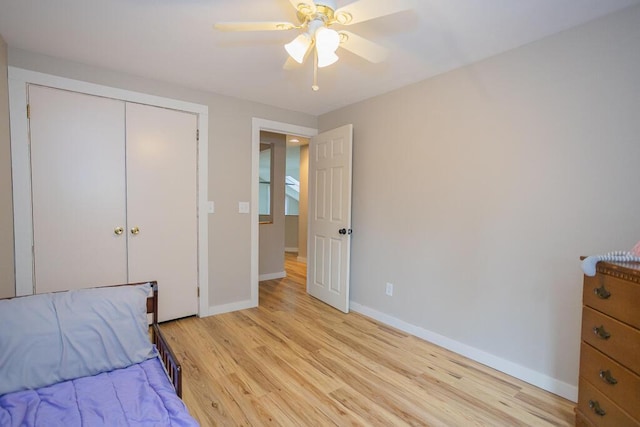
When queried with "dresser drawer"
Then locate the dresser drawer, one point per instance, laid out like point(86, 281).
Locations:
point(620, 342)
point(616, 382)
point(617, 298)
point(591, 401)
point(581, 421)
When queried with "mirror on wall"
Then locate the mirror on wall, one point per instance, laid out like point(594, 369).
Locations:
point(265, 187)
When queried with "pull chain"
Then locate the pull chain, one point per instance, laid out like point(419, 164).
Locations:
point(315, 86)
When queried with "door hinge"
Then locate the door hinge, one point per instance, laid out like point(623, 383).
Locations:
point(198, 291)
point(198, 135)
point(28, 111)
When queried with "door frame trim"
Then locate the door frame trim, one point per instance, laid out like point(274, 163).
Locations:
point(258, 125)
point(18, 79)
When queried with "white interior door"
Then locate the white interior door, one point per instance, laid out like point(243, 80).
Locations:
point(329, 245)
point(162, 205)
point(78, 189)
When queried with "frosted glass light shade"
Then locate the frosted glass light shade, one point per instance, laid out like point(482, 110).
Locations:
point(327, 40)
point(298, 47)
point(326, 58)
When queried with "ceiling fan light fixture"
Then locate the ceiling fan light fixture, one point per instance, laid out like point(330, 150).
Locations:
point(298, 47)
point(315, 18)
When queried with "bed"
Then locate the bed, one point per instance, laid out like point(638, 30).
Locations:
point(85, 358)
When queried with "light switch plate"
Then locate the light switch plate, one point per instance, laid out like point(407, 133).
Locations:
point(211, 207)
point(243, 207)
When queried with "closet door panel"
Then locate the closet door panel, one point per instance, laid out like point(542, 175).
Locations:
point(78, 189)
point(162, 205)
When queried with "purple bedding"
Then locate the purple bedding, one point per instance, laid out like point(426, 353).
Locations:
point(140, 395)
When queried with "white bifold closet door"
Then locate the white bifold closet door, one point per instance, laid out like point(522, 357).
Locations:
point(114, 196)
point(78, 189)
point(162, 205)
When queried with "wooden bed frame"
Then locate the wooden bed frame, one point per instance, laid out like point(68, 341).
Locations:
point(171, 364)
point(169, 360)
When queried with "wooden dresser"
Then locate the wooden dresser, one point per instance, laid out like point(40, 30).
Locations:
point(609, 384)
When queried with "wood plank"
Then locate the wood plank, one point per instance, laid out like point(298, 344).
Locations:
point(295, 361)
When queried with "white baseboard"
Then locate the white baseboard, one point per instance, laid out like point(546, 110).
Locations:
point(271, 276)
point(302, 259)
point(525, 374)
point(290, 249)
point(227, 308)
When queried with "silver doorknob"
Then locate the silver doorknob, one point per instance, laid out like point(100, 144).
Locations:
point(135, 231)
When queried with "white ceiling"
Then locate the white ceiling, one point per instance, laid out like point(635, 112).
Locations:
point(173, 41)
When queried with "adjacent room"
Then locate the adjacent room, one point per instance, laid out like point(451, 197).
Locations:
point(327, 212)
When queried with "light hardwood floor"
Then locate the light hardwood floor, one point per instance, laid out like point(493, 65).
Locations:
point(296, 361)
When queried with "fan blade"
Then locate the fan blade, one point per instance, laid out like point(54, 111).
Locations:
point(306, 7)
point(360, 46)
point(254, 26)
point(365, 10)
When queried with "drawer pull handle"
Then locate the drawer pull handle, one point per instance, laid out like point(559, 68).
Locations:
point(601, 332)
point(602, 292)
point(595, 405)
point(607, 377)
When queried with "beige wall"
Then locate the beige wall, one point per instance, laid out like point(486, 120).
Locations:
point(229, 163)
point(304, 203)
point(291, 232)
point(475, 192)
point(7, 276)
point(271, 236)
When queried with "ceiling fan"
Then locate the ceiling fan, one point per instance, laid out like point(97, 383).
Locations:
point(315, 21)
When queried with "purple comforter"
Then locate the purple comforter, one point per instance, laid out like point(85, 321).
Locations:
point(140, 395)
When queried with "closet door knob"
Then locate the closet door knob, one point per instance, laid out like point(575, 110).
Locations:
point(135, 231)
point(118, 231)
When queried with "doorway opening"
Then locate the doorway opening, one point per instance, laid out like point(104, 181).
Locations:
point(283, 196)
point(282, 202)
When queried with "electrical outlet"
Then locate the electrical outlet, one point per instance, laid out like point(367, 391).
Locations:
point(389, 290)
